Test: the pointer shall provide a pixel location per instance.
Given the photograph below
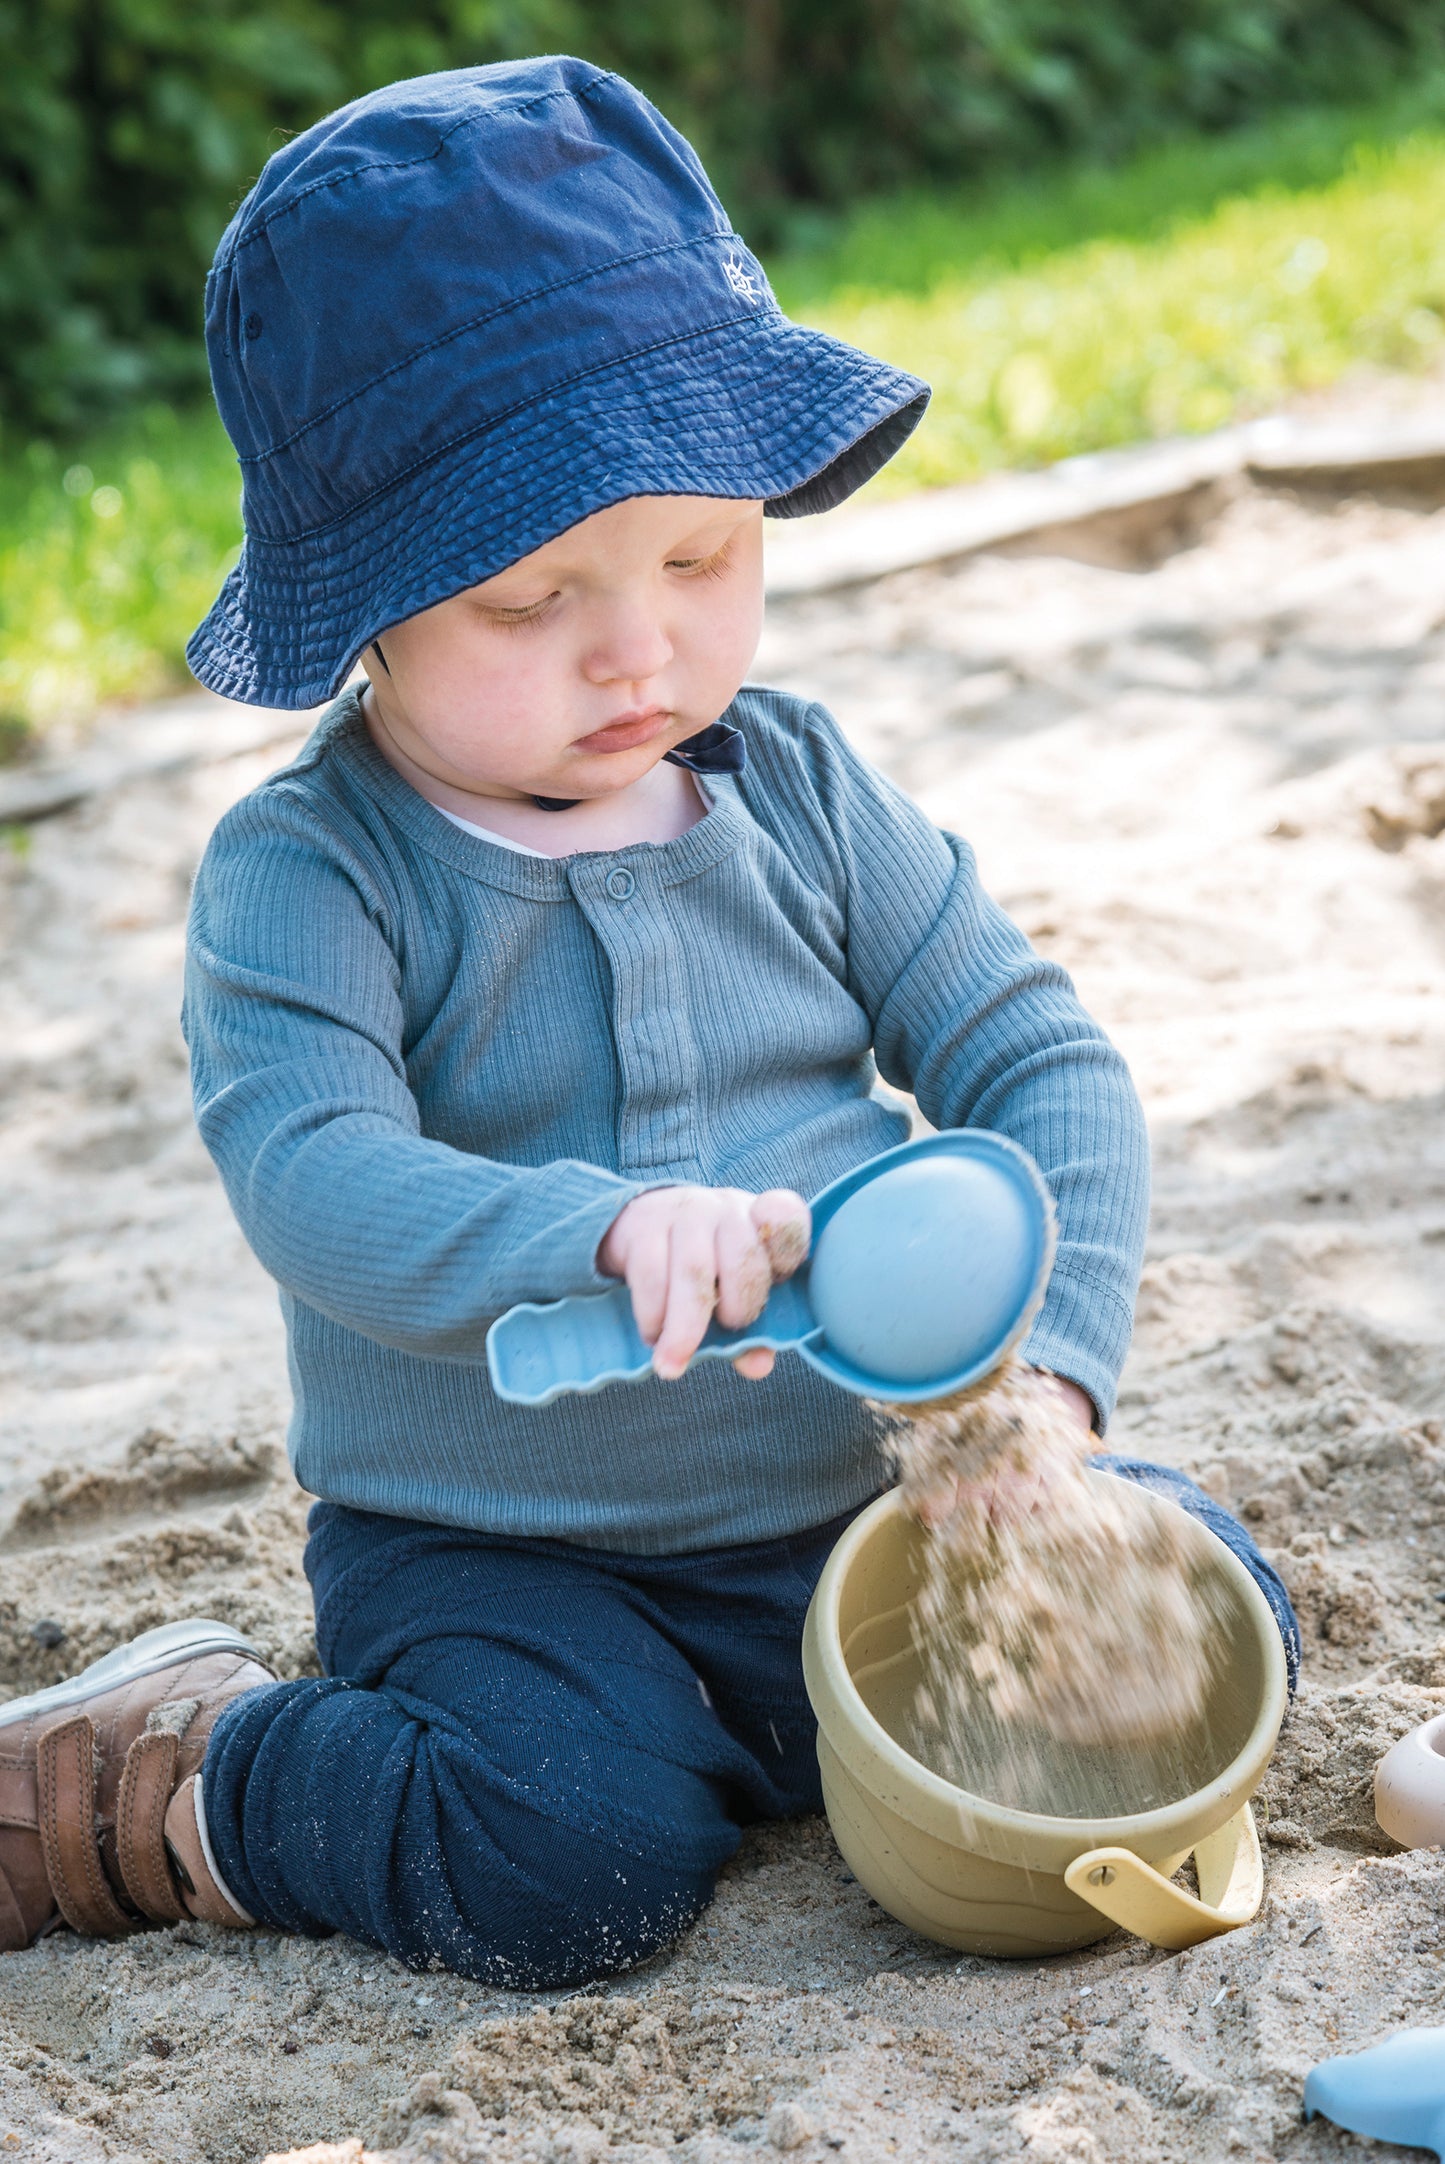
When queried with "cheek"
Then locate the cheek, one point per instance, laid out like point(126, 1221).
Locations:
point(719, 640)
point(500, 680)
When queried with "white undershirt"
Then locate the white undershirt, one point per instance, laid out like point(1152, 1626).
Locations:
point(503, 841)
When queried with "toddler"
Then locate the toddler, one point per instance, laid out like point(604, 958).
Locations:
point(560, 955)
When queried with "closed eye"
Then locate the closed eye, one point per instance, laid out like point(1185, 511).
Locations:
point(511, 619)
point(704, 567)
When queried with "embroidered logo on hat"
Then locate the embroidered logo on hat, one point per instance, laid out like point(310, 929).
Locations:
point(741, 279)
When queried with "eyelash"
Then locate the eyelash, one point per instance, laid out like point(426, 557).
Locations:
point(704, 567)
point(518, 619)
point(715, 566)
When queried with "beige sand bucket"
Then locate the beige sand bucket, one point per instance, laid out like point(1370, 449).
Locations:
point(977, 1875)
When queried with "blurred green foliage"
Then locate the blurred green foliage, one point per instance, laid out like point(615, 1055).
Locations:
point(1168, 296)
point(129, 129)
point(110, 554)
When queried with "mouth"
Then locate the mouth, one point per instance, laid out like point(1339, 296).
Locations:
point(627, 731)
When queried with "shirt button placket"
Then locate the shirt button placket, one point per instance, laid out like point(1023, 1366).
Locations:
point(656, 1054)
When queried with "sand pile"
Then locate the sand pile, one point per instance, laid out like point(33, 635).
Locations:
point(1065, 1634)
point(1204, 784)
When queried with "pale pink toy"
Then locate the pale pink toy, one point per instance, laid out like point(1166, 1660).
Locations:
point(1410, 1787)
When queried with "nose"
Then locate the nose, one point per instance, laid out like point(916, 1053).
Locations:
point(630, 646)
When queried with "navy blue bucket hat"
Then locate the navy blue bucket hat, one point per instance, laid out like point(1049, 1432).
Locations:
point(466, 311)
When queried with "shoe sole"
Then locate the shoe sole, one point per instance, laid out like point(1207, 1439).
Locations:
point(163, 1647)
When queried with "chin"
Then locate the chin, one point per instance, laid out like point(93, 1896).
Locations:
point(613, 779)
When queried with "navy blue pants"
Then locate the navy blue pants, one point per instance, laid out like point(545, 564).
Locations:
point(528, 1761)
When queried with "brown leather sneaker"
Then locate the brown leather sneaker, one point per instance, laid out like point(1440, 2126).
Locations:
point(99, 1800)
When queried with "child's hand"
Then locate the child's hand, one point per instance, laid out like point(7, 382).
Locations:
point(689, 1253)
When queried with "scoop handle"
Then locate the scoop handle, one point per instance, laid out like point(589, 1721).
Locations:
point(537, 1352)
point(1133, 1894)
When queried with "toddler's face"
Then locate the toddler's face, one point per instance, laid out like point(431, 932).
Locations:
point(570, 673)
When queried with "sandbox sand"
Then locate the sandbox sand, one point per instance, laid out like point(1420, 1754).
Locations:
point(1214, 788)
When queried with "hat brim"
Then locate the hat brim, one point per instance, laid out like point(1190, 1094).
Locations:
point(763, 409)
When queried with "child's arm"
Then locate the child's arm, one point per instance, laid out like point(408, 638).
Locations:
point(293, 1014)
point(984, 1031)
point(295, 1025)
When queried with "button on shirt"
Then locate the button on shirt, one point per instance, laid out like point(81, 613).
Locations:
point(432, 1069)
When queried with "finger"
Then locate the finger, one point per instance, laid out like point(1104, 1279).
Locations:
point(617, 1241)
point(691, 1290)
point(756, 1364)
point(744, 1269)
point(785, 1224)
point(647, 1266)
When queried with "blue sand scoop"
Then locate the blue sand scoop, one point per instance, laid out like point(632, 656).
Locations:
point(1395, 2091)
point(928, 1265)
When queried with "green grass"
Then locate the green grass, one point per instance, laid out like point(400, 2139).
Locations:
point(110, 554)
point(1059, 313)
point(1204, 281)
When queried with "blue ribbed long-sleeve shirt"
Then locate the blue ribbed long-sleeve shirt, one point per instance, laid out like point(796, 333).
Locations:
point(432, 1070)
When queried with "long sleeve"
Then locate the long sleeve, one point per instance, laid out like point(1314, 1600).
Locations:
point(294, 1017)
point(987, 1033)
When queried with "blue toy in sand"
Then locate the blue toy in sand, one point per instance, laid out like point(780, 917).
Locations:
point(928, 1265)
point(1395, 2091)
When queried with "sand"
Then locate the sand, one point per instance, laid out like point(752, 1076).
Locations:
point(1066, 1636)
point(1214, 787)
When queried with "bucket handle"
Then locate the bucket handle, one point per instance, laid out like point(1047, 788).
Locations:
point(1132, 1893)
